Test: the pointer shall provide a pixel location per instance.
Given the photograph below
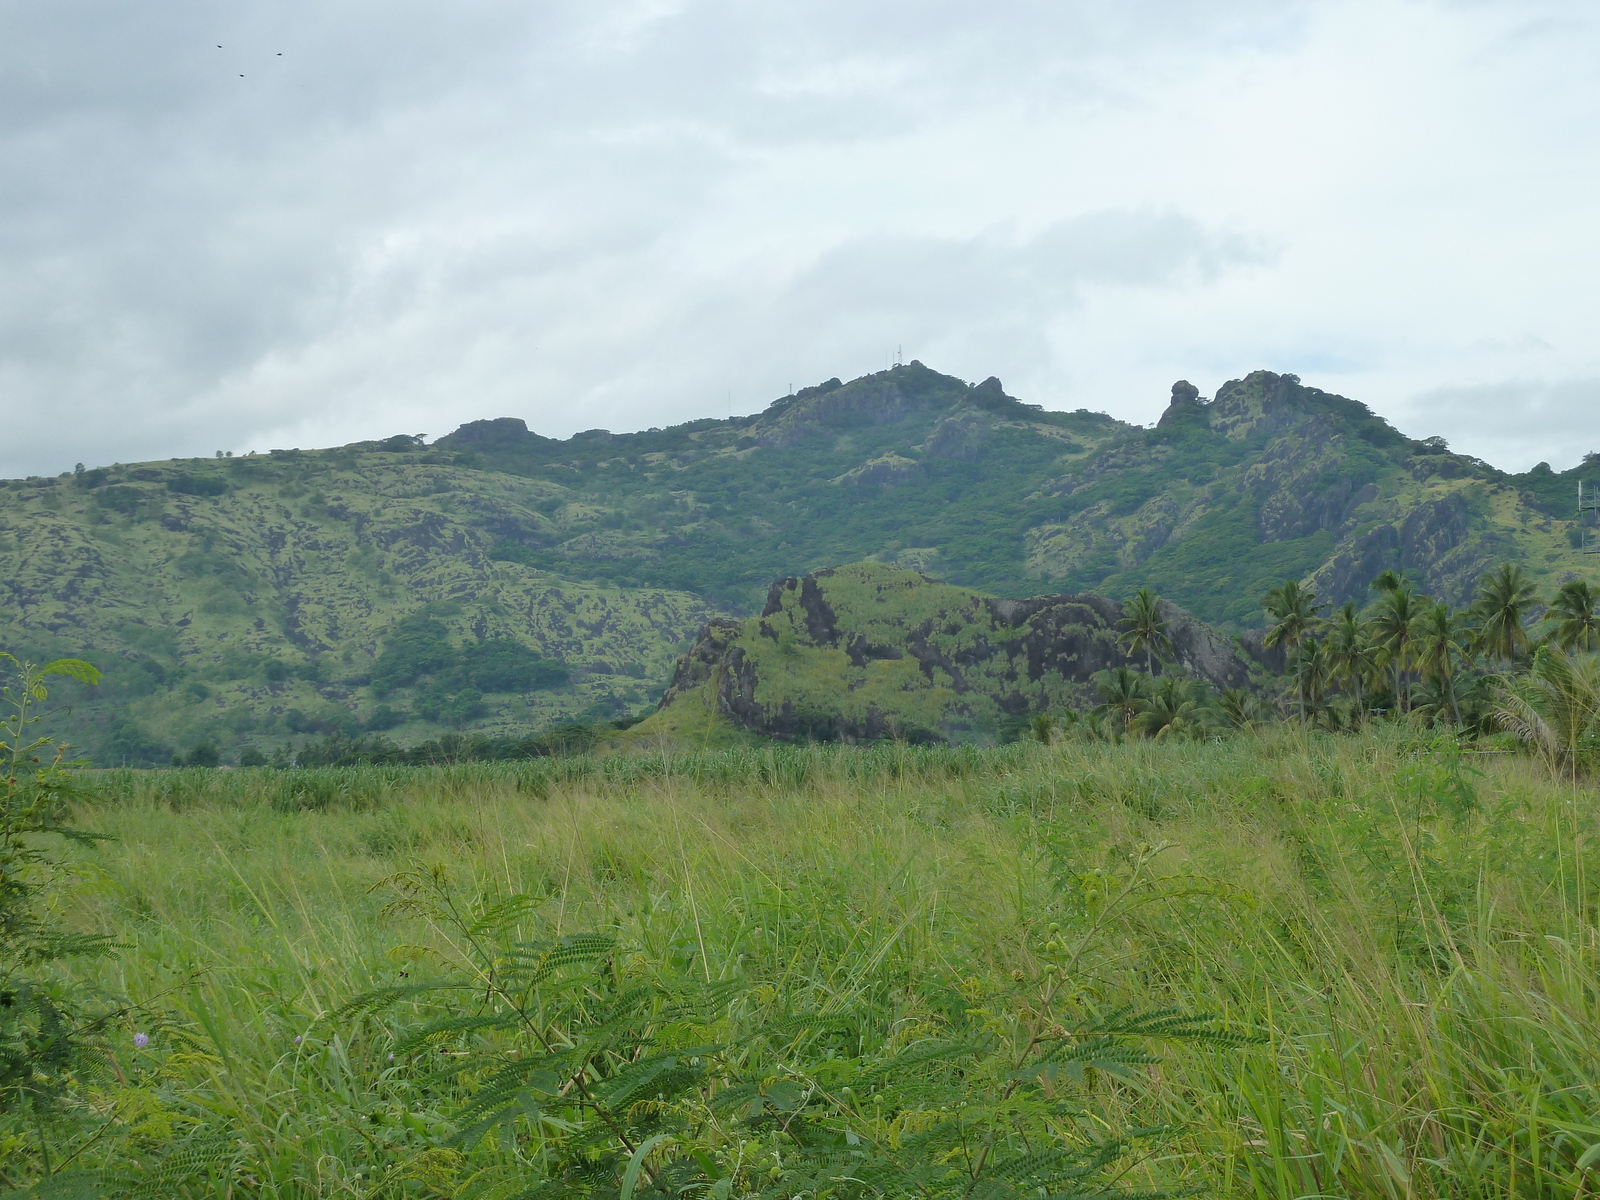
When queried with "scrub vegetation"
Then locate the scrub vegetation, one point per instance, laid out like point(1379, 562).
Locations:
point(249, 603)
point(1280, 963)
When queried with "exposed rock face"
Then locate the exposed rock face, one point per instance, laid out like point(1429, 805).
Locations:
point(1430, 542)
point(867, 650)
point(498, 432)
point(959, 436)
point(703, 658)
point(1185, 402)
point(885, 471)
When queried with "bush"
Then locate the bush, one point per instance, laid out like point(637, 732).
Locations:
point(205, 754)
point(418, 647)
point(46, 1038)
point(189, 485)
point(384, 717)
point(126, 744)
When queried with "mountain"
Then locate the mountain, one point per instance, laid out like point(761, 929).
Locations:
point(868, 651)
point(498, 580)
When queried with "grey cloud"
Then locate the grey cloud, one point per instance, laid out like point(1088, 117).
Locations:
point(423, 213)
point(1512, 423)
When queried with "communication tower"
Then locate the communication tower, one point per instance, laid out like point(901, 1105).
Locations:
point(1588, 502)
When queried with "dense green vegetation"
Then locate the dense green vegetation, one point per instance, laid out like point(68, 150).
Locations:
point(245, 603)
point(1320, 964)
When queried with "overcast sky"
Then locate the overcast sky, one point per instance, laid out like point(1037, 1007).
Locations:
point(239, 225)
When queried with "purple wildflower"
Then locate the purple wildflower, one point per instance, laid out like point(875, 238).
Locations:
point(297, 1039)
point(141, 1040)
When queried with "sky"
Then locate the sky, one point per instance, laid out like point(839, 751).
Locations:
point(240, 225)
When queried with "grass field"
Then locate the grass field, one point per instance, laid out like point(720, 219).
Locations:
point(1407, 932)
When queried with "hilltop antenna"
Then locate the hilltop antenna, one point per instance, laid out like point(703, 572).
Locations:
point(1589, 503)
point(899, 356)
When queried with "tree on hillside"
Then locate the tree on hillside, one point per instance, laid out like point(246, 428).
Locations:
point(1441, 637)
point(1505, 601)
point(1350, 653)
point(1394, 621)
point(1574, 616)
point(1295, 611)
point(1144, 628)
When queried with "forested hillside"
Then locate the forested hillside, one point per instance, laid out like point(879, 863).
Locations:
point(503, 581)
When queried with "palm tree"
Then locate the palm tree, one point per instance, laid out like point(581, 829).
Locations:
point(1144, 628)
point(1239, 708)
point(1555, 708)
point(1295, 610)
point(1440, 637)
point(1575, 615)
point(1390, 580)
point(1122, 696)
point(1502, 607)
point(1175, 709)
point(1349, 650)
point(1311, 676)
point(1394, 622)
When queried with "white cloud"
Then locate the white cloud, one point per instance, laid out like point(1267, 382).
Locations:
point(632, 212)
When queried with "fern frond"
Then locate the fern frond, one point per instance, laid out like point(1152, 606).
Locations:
point(370, 1002)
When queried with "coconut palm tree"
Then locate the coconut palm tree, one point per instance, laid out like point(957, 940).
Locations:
point(1122, 696)
point(1311, 676)
point(1505, 600)
point(1394, 620)
point(1175, 708)
point(1554, 707)
point(1440, 638)
point(1351, 657)
point(1239, 708)
point(1144, 628)
point(1574, 616)
point(1295, 611)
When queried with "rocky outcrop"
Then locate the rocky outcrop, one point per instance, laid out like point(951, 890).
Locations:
point(884, 472)
point(959, 436)
point(952, 655)
point(704, 657)
point(1428, 542)
point(1186, 402)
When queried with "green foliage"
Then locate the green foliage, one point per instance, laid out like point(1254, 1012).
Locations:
point(622, 1072)
point(1406, 921)
point(1554, 708)
point(50, 1044)
point(1175, 706)
point(205, 754)
point(127, 744)
point(419, 648)
point(1144, 628)
point(1504, 604)
point(203, 485)
point(344, 751)
point(1574, 617)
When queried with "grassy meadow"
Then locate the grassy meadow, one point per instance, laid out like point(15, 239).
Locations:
point(1404, 935)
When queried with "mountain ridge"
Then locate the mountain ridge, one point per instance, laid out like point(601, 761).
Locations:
point(247, 600)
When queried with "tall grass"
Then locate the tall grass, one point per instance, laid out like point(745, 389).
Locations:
point(1411, 931)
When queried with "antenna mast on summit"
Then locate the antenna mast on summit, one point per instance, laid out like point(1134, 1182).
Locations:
point(1587, 503)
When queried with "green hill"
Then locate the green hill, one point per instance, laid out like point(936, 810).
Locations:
point(501, 581)
point(868, 651)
